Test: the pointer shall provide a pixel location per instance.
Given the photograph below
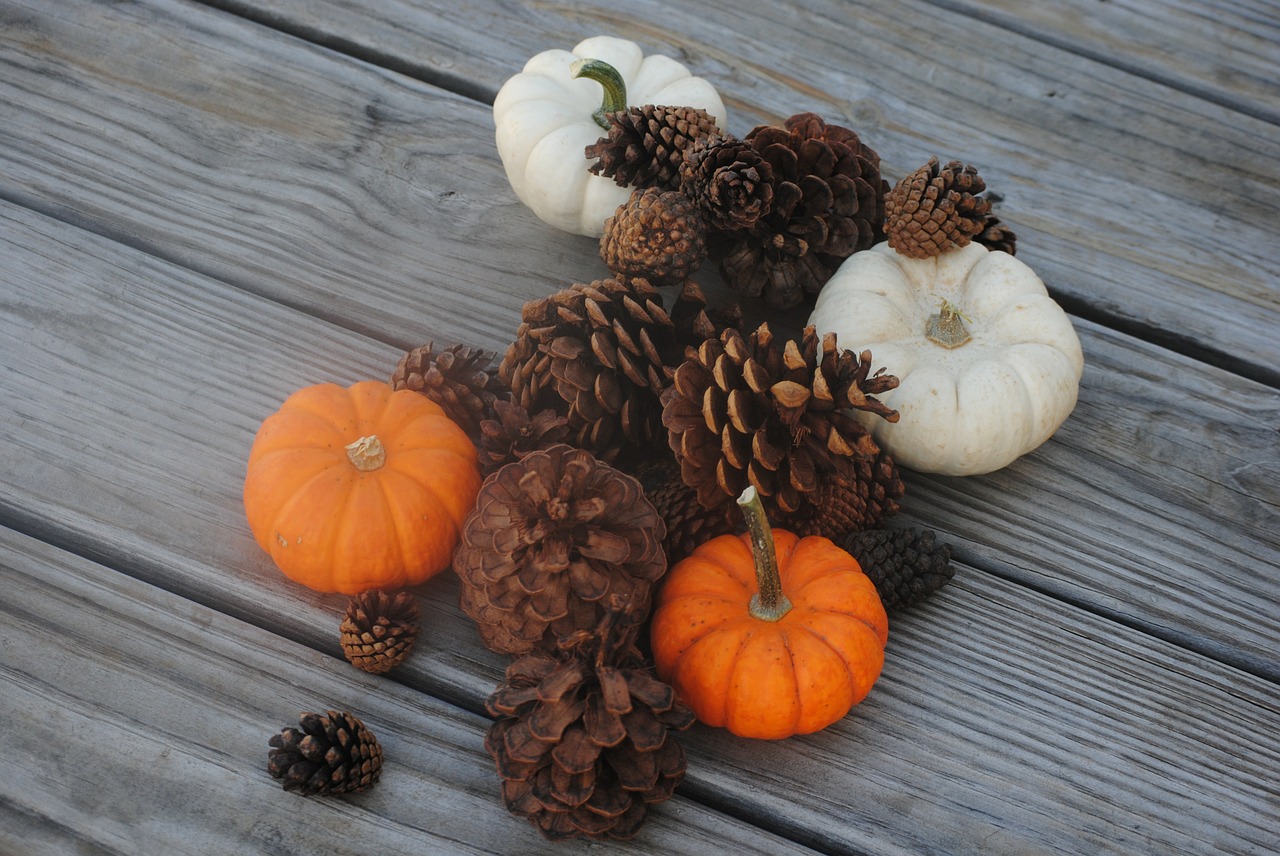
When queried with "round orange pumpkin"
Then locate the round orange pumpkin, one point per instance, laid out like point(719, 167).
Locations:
point(767, 645)
point(356, 488)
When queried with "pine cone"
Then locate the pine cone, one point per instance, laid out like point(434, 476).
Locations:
point(906, 565)
point(997, 236)
point(657, 235)
point(731, 183)
point(935, 208)
point(688, 523)
point(583, 739)
point(853, 499)
point(512, 433)
point(458, 378)
point(552, 538)
point(379, 629)
point(828, 203)
point(755, 411)
point(327, 754)
point(645, 145)
point(601, 354)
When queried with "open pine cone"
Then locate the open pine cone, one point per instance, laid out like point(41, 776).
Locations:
point(583, 739)
point(459, 378)
point(645, 145)
point(553, 537)
point(756, 411)
point(936, 208)
point(512, 433)
point(331, 753)
point(379, 629)
point(729, 181)
point(828, 203)
point(601, 354)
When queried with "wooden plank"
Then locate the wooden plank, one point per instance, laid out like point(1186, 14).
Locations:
point(1141, 205)
point(137, 722)
point(1001, 712)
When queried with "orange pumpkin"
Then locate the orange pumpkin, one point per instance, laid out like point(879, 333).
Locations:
point(769, 634)
point(359, 488)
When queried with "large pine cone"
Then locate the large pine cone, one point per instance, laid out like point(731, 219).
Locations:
point(755, 411)
point(459, 378)
point(656, 235)
point(645, 145)
point(601, 354)
point(379, 629)
point(583, 741)
point(552, 538)
point(828, 203)
point(936, 208)
point(906, 565)
point(331, 753)
point(729, 181)
point(854, 498)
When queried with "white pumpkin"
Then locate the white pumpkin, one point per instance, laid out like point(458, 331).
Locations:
point(544, 118)
point(965, 408)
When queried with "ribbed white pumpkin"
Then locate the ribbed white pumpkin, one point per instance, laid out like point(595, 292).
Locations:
point(543, 119)
point(976, 407)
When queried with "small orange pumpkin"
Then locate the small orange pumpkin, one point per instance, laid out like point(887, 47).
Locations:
point(769, 634)
point(359, 488)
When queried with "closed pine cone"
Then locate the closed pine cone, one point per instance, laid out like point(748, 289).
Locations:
point(756, 411)
point(331, 753)
point(906, 565)
point(551, 539)
point(656, 235)
point(584, 740)
point(645, 145)
point(459, 378)
point(729, 181)
point(512, 433)
point(852, 499)
point(935, 209)
point(689, 524)
point(379, 629)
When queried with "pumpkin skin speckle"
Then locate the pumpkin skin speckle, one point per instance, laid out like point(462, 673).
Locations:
point(334, 526)
point(769, 679)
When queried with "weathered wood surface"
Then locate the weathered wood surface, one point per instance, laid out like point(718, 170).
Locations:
point(1139, 206)
point(151, 715)
point(269, 214)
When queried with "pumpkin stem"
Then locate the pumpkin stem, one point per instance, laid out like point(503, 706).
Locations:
point(768, 604)
point(610, 79)
point(947, 327)
point(367, 453)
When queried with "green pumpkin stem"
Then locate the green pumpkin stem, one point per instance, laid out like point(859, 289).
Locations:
point(610, 80)
point(769, 603)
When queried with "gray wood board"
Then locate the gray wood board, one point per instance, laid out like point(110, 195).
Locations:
point(1141, 204)
point(1001, 712)
point(137, 722)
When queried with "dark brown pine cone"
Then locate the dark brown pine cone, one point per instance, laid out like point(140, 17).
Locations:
point(552, 538)
point(731, 183)
point(688, 523)
point(935, 208)
point(997, 236)
point(331, 753)
point(379, 629)
point(645, 145)
point(657, 235)
point(459, 378)
point(906, 565)
point(828, 203)
point(601, 354)
point(512, 433)
point(853, 498)
point(756, 411)
point(584, 740)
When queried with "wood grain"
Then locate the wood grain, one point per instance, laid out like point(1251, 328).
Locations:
point(975, 680)
point(150, 716)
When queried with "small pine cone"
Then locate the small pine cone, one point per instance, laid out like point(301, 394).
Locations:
point(859, 495)
point(645, 145)
point(459, 378)
point(828, 203)
point(906, 565)
point(330, 753)
point(379, 629)
point(731, 183)
point(755, 411)
point(552, 538)
point(935, 209)
point(688, 523)
point(601, 354)
point(657, 235)
point(512, 433)
point(997, 236)
point(583, 738)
